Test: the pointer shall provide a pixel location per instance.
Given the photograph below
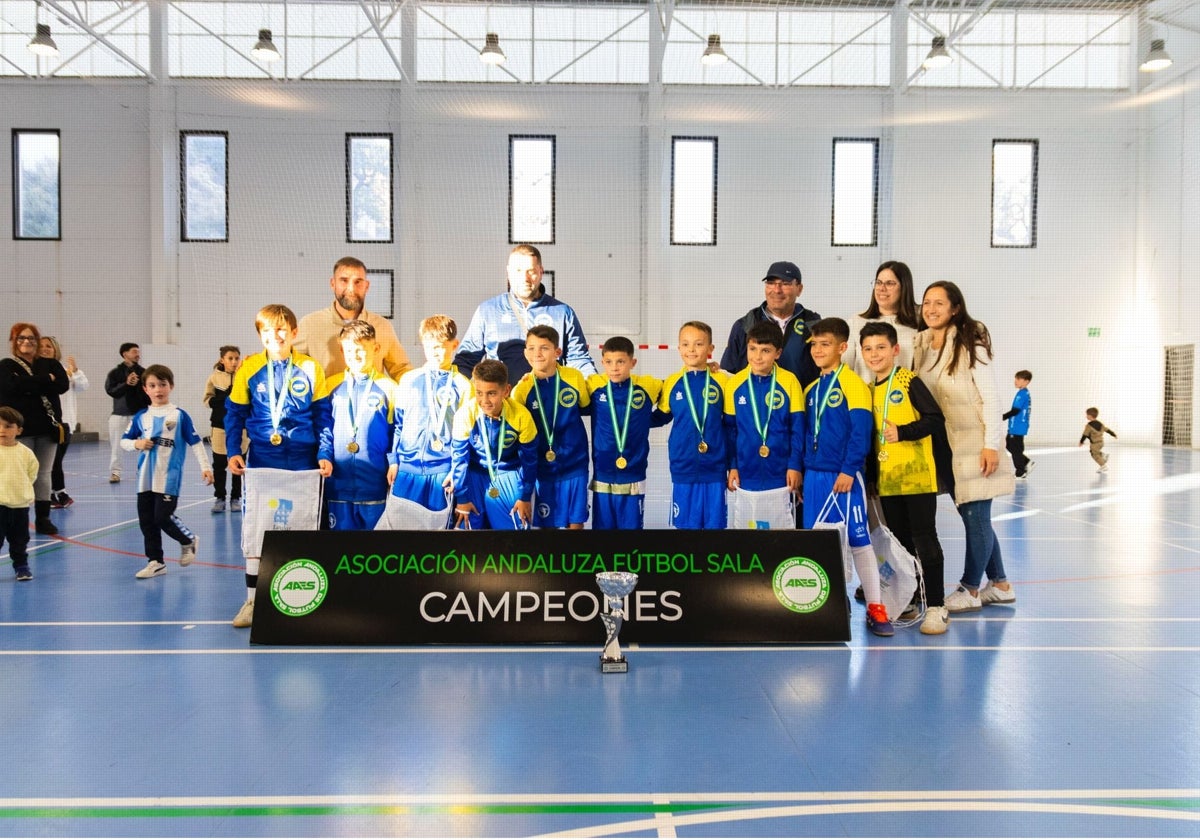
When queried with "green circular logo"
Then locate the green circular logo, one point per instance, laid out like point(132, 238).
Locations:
point(299, 587)
point(801, 585)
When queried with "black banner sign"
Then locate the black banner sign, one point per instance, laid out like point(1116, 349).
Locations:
point(504, 587)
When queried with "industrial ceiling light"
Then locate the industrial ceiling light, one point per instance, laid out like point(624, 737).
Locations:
point(713, 53)
point(938, 56)
point(265, 49)
point(491, 52)
point(42, 43)
point(1155, 61)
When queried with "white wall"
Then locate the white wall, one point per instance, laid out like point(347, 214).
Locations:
point(114, 277)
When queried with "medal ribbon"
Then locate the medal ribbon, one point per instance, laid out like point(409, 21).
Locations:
point(887, 403)
point(276, 400)
point(700, 422)
point(764, 427)
point(622, 432)
point(548, 427)
point(488, 458)
point(824, 403)
point(350, 400)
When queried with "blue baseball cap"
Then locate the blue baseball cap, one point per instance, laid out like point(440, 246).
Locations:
point(783, 271)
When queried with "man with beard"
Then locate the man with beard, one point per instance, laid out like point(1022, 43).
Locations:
point(500, 324)
point(320, 331)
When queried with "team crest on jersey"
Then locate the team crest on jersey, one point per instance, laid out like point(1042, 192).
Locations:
point(568, 398)
point(638, 398)
point(374, 401)
point(543, 319)
point(170, 425)
point(896, 397)
point(775, 400)
point(298, 387)
point(713, 395)
point(445, 396)
point(798, 326)
point(510, 438)
point(836, 398)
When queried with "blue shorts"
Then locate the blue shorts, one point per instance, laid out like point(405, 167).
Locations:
point(851, 507)
point(561, 502)
point(354, 516)
point(613, 512)
point(425, 490)
point(497, 514)
point(699, 506)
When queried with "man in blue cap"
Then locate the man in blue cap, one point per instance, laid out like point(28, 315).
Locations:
point(782, 287)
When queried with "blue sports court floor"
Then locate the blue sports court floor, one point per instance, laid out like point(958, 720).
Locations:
point(133, 708)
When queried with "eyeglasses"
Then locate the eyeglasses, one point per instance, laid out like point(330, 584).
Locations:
point(774, 281)
point(887, 284)
point(27, 339)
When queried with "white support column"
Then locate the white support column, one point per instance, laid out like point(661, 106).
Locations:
point(163, 192)
point(406, 201)
point(656, 188)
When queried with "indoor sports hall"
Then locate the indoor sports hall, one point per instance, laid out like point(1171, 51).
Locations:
point(176, 166)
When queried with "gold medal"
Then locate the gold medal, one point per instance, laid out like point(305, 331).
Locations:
point(352, 447)
point(276, 438)
point(550, 456)
point(493, 493)
point(703, 447)
point(436, 445)
point(764, 451)
point(882, 456)
point(622, 463)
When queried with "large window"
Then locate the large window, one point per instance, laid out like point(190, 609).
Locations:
point(204, 186)
point(37, 198)
point(531, 189)
point(855, 191)
point(693, 190)
point(368, 188)
point(1014, 193)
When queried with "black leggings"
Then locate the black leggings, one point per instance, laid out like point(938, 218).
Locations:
point(58, 482)
point(220, 467)
point(913, 519)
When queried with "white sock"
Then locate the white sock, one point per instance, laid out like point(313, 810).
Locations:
point(249, 593)
point(868, 572)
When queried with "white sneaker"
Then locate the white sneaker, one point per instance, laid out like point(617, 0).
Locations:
point(245, 616)
point(187, 553)
point(1103, 468)
point(152, 569)
point(937, 619)
point(961, 600)
point(995, 595)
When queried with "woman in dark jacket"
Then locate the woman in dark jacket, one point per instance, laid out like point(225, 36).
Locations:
point(32, 384)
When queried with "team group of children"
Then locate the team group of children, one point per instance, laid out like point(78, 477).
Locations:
point(494, 456)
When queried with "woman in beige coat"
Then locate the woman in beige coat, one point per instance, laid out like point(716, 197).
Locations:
point(952, 357)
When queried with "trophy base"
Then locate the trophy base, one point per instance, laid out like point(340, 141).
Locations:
point(614, 666)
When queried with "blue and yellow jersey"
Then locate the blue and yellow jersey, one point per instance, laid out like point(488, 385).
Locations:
point(305, 410)
point(477, 439)
point(780, 414)
point(907, 466)
point(160, 469)
point(360, 437)
point(561, 423)
point(426, 401)
point(638, 395)
point(837, 422)
point(695, 402)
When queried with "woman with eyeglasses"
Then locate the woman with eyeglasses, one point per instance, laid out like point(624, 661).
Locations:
point(893, 301)
point(32, 385)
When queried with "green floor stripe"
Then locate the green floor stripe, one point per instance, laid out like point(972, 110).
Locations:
point(101, 812)
point(1176, 804)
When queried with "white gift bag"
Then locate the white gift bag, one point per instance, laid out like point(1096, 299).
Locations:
point(761, 509)
point(407, 515)
point(899, 575)
point(822, 523)
point(279, 500)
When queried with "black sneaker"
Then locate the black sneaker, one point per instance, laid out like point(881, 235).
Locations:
point(859, 596)
point(45, 526)
point(23, 573)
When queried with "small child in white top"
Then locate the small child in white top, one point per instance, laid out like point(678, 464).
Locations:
point(18, 469)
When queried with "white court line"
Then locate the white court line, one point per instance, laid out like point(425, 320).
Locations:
point(598, 798)
point(779, 812)
point(637, 645)
point(439, 651)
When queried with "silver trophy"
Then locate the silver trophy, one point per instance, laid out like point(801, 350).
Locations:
point(615, 586)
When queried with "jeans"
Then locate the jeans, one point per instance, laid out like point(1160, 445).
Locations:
point(983, 548)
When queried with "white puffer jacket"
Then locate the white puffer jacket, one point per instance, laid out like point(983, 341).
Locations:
point(973, 418)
